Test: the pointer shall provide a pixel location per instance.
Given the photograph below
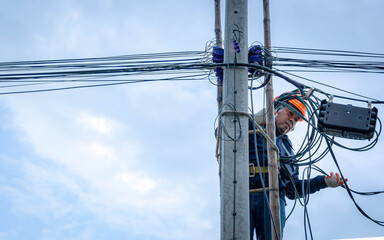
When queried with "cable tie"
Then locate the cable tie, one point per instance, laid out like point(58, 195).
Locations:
point(234, 113)
point(273, 189)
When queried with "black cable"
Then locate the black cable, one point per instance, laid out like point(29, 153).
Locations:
point(381, 223)
point(327, 85)
point(314, 51)
point(121, 82)
point(371, 193)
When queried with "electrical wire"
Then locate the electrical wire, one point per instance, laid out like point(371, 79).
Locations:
point(64, 74)
point(381, 223)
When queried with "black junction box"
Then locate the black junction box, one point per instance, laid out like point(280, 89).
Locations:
point(347, 121)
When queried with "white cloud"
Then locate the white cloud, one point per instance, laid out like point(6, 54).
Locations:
point(99, 124)
point(101, 150)
point(137, 182)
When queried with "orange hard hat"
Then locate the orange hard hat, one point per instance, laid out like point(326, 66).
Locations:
point(294, 100)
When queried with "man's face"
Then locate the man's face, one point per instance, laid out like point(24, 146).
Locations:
point(286, 120)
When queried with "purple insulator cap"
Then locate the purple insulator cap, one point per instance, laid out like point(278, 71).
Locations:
point(219, 72)
point(217, 55)
point(236, 46)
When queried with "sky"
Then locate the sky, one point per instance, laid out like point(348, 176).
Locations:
point(138, 161)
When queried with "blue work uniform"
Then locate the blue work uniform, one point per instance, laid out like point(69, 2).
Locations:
point(289, 183)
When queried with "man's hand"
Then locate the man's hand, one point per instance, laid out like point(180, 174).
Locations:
point(334, 180)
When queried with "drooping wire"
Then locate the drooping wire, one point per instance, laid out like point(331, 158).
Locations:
point(381, 223)
point(309, 143)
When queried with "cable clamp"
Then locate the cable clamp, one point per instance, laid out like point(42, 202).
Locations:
point(309, 92)
point(253, 172)
point(369, 104)
point(273, 189)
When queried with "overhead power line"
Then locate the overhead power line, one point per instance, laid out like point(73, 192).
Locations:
point(64, 74)
point(336, 61)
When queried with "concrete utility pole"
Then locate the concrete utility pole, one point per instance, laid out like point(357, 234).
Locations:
point(272, 161)
point(234, 185)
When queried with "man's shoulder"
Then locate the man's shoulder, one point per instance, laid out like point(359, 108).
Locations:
point(284, 144)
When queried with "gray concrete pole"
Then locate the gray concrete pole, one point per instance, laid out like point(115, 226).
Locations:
point(234, 187)
point(272, 154)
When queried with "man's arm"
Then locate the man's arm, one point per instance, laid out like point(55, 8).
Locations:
point(299, 188)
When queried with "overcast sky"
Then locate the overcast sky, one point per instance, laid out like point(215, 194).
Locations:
point(138, 161)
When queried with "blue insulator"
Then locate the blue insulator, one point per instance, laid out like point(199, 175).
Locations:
point(255, 56)
point(218, 55)
point(219, 74)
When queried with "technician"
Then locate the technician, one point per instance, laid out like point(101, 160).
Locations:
point(289, 109)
